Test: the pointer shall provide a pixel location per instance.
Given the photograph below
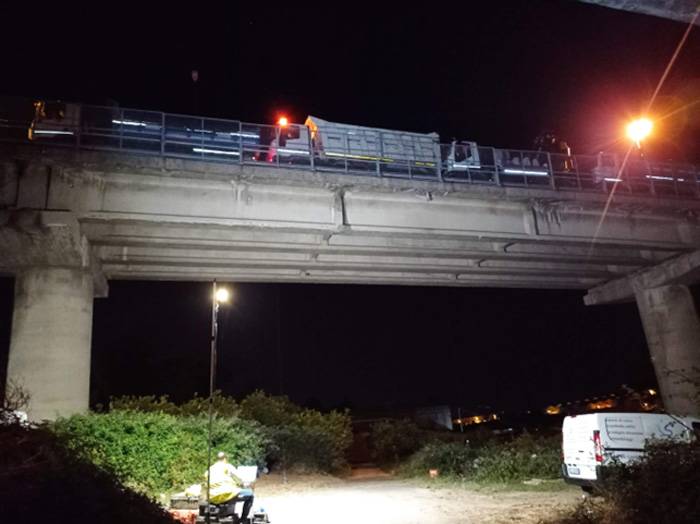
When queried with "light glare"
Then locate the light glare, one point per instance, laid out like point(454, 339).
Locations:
point(639, 129)
point(222, 295)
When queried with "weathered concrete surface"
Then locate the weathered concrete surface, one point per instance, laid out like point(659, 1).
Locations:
point(683, 269)
point(50, 345)
point(679, 10)
point(670, 322)
point(70, 220)
point(153, 218)
point(672, 330)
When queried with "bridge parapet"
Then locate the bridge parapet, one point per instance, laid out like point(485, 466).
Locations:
point(382, 153)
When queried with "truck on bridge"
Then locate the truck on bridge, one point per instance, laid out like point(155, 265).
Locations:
point(322, 145)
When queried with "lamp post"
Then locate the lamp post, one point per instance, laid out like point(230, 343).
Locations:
point(219, 295)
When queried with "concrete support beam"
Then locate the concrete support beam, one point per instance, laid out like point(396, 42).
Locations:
point(50, 343)
point(683, 269)
point(672, 330)
point(678, 10)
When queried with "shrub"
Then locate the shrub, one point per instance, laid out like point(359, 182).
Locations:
point(302, 439)
point(269, 410)
point(523, 458)
point(451, 459)
point(155, 452)
point(42, 480)
point(222, 405)
point(393, 440)
point(663, 487)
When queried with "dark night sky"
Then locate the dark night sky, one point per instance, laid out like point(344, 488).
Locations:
point(498, 73)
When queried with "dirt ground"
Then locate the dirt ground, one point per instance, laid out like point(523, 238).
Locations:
point(369, 497)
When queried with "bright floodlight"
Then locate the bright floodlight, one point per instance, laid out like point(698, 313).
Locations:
point(639, 129)
point(283, 121)
point(222, 295)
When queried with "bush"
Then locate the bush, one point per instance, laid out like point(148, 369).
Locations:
point(393, 440)
point(301, 439)
point(663, 487)
point(268, 410)
point(451, 459)
point(155, 452)
point(221, 404)
point(521, 459)
point(42, 480)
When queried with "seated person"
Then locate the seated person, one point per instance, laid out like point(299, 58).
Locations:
point(225, 486)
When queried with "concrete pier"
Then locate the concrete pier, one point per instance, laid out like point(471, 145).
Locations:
point(95, 216)
point(672, 330)
point(50, 344)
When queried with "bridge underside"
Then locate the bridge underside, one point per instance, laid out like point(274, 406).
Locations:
point(148, 218)
point(71, 221)
point(678, 10)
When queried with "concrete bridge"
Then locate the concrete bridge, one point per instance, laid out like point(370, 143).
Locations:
point(73, 219)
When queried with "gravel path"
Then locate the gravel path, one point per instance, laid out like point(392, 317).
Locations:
point(391, 501)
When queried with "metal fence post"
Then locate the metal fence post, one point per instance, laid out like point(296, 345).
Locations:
point(278, 132)
point(312, 161)
point(121, 128)
point(380, 148)
point(162, 134)
point(201, 138)
point(578, 174)
point(80, 128)
point(550, 167)
point(240, 142)
point(496, 174)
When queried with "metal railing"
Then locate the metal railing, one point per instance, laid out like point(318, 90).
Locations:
point(217, 140)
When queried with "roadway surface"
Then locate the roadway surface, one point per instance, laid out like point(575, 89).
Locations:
point(391, 501)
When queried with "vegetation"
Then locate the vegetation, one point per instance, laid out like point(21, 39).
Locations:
point(523, 458)
point(662, 488)
point(301, 439)
point(41, 479)
point(155, 452)
point(154, 445)
point(394, 440)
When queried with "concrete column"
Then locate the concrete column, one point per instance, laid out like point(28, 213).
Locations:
point(50, 343)
point(673, 334)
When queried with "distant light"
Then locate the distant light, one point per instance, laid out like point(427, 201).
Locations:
point(214, 151)
point(293, 151)
point(245, 135)
point(222, 295)
point(510, 171)
point(639, 129)
point(51, 132)
point(553, 410)
point(129, 123)
point(283, 121)
point(652, 391)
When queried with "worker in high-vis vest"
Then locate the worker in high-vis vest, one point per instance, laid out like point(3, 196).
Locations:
point(225, 486)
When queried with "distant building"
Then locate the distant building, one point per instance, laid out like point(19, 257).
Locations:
point(627, 399)
point(434, 417)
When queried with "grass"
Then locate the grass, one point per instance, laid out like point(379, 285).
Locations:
point(545, 485)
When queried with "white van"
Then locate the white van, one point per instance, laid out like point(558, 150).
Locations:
point(593, 440)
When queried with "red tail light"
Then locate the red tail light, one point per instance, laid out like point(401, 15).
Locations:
point(598, 446)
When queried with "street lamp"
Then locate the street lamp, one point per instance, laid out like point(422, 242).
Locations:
point(219, 295)
point(639, 129)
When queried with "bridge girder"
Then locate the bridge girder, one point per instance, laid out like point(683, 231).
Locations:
point(678, 10)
